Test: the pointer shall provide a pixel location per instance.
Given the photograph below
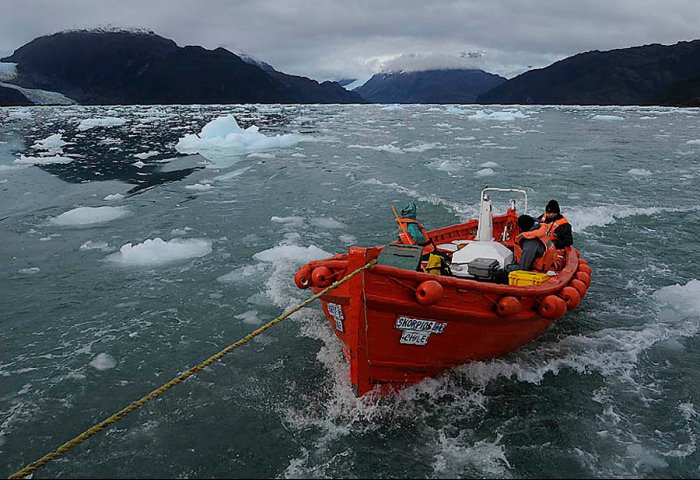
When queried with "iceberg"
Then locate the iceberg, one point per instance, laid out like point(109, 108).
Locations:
point(223, 138)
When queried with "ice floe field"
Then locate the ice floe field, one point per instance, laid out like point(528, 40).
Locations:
point(137, 241)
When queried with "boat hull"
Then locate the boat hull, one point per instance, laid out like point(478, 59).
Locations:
point(393, 337)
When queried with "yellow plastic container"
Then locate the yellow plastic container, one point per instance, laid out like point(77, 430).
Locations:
point(524, 278)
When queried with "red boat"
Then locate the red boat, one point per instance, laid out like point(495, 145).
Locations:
point(399, 326)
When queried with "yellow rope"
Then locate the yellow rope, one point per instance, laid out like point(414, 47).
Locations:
point(69, 445)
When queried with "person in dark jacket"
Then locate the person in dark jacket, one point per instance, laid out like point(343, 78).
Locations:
point(559, 228)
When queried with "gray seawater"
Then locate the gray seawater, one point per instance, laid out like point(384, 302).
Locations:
point(86, 328)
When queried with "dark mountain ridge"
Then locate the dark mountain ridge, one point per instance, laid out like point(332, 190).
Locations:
point(126, 67)
point(430, 86)
point(642, 75)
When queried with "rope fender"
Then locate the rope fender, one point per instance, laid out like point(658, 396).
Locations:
point(69, 445)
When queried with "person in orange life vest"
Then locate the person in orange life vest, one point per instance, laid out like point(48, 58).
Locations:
point(410, 231)
point(532, 242)
point(558, 228)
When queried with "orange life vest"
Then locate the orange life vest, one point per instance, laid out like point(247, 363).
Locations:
point(406, 237)
point(551, 259)
point(551, 227)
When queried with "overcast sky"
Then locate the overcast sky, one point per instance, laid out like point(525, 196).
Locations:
point(336, 39)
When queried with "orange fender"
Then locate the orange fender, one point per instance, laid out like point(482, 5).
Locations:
point(584, 277)
point(571, 297)
point(429, 292)
point(507, 306)
point(322, 277)
point(302, 278)
point(551, 307)
point(578, 285)
point(583, 267)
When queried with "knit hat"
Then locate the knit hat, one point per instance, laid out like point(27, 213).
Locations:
point(552, 207)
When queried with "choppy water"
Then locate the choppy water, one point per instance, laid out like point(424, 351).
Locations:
point(85, 328)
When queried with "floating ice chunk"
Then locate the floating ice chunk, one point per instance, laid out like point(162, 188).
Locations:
point(639, 172)
point(289, 221)
point(105, 122)
point(241, 274)
point(486, 172)
point(693, 142)
point(145, 155)
point(114, 196)
point(200, 187)
point(681, 298)
point(98, 245)
point(29, 271)
point(506, 116)
point(103, 361)
point(348, 239)
point(159, 252)
point(291, 254)
point(89, 216)
point(57, 159)
point(489, 165)
point(298, 155)
point(250, 317)
point(607, 117)
point(379, 148)
point(327, 223)
point(261, 155)
point(20, 114)
point(139, 164)
point(422, 147)
point(53, 143)
point(449, 166)
point(223, 137)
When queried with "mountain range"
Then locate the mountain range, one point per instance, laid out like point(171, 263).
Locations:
point(430, 86)
point(647, 75)
point(125, 67)
point(137, 67)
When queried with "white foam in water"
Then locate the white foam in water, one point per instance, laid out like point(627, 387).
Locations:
point(57, 159)
point(607, 117)
point(582, 218)
point(105, 122)
point(156, 251)
point(223, 137)
point(103, 361)
point(89, 216)
point(639, 172)
point(456, 454)
point(486, 172)
point(29, 271)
